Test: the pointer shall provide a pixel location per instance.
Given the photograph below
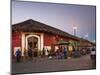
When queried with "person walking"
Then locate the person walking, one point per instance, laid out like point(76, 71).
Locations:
point(65, 53)
point(18, 55)
point(25, 55)
point(93, 56)
point(70, 50)
point(75, 52)
point(46, 52)
point(43, 52)
point(30, 54)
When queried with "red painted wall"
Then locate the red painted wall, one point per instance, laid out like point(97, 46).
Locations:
point(16, 39)
point(49, 39)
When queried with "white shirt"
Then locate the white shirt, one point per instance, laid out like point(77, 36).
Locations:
point(93, 52)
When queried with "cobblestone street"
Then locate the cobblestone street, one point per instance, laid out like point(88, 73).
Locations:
point(48, 65)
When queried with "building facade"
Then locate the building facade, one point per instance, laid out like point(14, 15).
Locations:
point(36, 35)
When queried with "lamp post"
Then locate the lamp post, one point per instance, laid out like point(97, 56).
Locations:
point(74, 28)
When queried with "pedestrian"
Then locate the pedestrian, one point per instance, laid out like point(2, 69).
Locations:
point(57, 52)
point(18, 55)
point(93, 56)
point(25, 54)
point(75, 52)
point(70, 49)
point(30, 54)
point(43, 52)
point(78, 52)
point(65, 53)
point(46, 52)
point(61, 54)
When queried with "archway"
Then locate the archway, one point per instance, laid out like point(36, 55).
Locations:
point(32, 41)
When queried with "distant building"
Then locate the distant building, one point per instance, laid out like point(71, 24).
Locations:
point(36, 35)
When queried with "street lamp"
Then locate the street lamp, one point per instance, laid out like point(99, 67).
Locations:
point(74, 28)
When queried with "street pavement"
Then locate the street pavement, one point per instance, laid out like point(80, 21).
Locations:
point(38, 65)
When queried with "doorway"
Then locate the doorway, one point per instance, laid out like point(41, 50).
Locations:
point(33, 45)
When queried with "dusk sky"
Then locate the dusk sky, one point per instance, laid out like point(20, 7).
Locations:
point(61, 16)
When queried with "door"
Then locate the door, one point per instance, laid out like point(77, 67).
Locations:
point(33, 45)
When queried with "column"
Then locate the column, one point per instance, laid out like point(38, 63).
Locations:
point(42, 41)
point(23, 43)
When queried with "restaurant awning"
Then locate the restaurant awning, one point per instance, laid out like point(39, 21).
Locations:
point(61, 42)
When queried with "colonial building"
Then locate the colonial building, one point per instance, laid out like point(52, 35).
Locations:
point(36, 35)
